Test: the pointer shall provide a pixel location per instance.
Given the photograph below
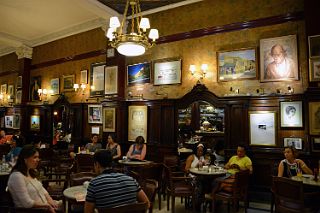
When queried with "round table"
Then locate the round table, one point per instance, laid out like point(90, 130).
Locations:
point(216, 172)
point(74, 194)
point(307, 180)
point(134, 163)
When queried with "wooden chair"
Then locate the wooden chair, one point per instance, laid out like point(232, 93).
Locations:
point(79, 178)
point(290, 198)
point(132, 208)
point(237, 190)
point(84, 163)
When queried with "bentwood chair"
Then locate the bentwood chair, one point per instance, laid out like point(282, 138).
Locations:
point(84, 163)
point(132, 208)
point(79, 178)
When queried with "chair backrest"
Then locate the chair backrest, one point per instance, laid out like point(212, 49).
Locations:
point(171, 160)
point(79, 178)
point(84, 162)
point(132, 208)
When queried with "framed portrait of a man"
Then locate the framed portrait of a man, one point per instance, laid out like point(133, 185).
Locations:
point(279, 59)
point(35, 84)
point(291, 114)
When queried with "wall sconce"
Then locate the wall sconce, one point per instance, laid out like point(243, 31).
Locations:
point(202, 74)
point(43, 94)
point(82, 86)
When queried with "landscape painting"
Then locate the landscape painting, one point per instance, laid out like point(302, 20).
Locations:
point(139, 73)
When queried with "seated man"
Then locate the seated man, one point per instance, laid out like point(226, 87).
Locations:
point(94, 146)
point(111, 189)
point(5, 138)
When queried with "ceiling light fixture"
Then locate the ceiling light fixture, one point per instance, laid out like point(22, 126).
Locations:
point(136, 42)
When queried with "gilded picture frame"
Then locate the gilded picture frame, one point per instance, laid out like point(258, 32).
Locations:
point(314, 69)
point(3, 89)
point(19, 82)
point(55, 86)
point(35, 84)
point(314, 46)
point(111, 80)
point(139, 73)
point(293, 142)
point(109, 119)
point(291, 114)
point(315, 144)
point(94, 114)
point(35, 122)
point(167, 71)
point(68, 81)
point(16, 121)
point(83, 76)
point(314, 118)
point(97, 79)
point(137, 122)
point(11, 90)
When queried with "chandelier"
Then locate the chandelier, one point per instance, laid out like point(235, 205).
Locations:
point(136, 42)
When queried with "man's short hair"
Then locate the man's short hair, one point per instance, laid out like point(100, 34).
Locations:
point(103, 157)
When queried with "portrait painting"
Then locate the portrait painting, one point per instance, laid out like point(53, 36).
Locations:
point(314, 67)
point(262, 128)
point(3, 89)
point(68, 81)
point(109, 122)
point(167, 71)
point(139, 73)
point(293, 142)
point(314, 118)
point(97, 79)
point(8, 121)
point(279, 59)
point(35, 122)
point(35, 84)
point(137, 122)
point(55, 87)
point(237, 64)
point(95, 113)
point(314, 46)
point(291, 114)
point(111, 80)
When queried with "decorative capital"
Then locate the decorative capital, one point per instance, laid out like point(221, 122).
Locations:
point(24, 52)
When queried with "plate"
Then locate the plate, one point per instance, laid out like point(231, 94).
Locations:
point(307, 176)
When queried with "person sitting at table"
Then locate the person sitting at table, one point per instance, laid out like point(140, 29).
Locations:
point(5, 138)
point(218, 154)
point(113, 147)
point(111, 189)
point(94, 146)
point(137, 150)
point(16, 146)
point(25, 189)
point(291, 166)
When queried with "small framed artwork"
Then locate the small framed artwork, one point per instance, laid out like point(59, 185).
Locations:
point(68, 81)
point(111, 80)
point(139, 73)
point(16, 121)
point(11, 90)
point(315, 144)
point(83, 76)
point(19, 82)
point(95, 130)
point(294, 142)
point(95, 113)
point(262, 128)
point(8, 121)
point(35, 84)
point(35, 122)
point(167, 71)
point(55, 86)
point(237, 64)
point(109, 119)
point(314, 118)
point(279, 59)
point(314, 69)
point(291, 114)
point(97, 79)
point(3, 89)
point(18, 96)
point(137, 122)
point(314, 46)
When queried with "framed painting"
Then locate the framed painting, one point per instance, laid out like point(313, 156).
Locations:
point(55, 86)
point(18, 96)
point(315, 144)
point(95, 130)
point(8, 121)
point(68, 81)
point(291, 114)
point(35, 84)
point(3, 89)
point(97, 79)
point(167, 71)
point(95, 113)
point(19, 82)
point(314, 69)
point(16, 121)
point(279, 59)
point(11, 90)
point(111, 80)
point(262, 128)
point(137, 122)
point(314, 118)
point(314, 46)
point(83, 76)
point(139, 73)
point(109, 119)
point(237, 64)
point(35, 122)
point(294, 142)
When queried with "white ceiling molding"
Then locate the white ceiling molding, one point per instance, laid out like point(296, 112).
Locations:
point(98, 8)
point(24, 52)
point(7, 50)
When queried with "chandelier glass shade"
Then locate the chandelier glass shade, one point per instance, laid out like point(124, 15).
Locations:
point(136, 42)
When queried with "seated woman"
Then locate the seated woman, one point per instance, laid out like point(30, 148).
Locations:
point(291, 166)
point(196, 160)
point(113, 147)
point(25, 189)
point(137, 150)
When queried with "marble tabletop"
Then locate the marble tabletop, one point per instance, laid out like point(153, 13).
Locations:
point(308, 180)
point(134, 163)
point(77, 193)
point(185, 150)
point(208, 171)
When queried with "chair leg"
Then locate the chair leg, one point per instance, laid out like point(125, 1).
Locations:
point(168, 201)
point(159, 198)
point(173, 204)
point(272, 202)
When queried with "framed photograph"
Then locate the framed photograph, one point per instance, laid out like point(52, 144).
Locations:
point(10, 90)
point(83, 76)
point(18, 96)
point(137, 122)
point(314, 69)
point(111, 80)
point(294, 142)
point(237, 64)
point(262, 128)
point(95, 130)
point(19, 82)
point(315, 144)
point(167, 71)
point(279, 59)
point(35, 84)
point(3, 89)
point(109, 119)
point(314, 46)
point(314, 118)
point(97, 79)
point(291, 114)
point(94, 114)
point(68, 81)
point(16, 121)
point(35, 122)
point(55, 86)
point(8, 121)
point(139, 73)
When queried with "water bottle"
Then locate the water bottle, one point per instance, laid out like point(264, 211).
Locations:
point(3, 159)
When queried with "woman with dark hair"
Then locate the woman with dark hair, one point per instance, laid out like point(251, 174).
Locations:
point(138, 150)
point(291, 166)
point(25, 189)
point(113, 147)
